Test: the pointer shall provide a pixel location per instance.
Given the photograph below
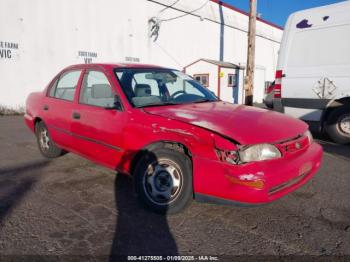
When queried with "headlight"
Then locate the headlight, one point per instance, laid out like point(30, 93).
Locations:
point(258, 153)
point(228, 156)
point(309, 136)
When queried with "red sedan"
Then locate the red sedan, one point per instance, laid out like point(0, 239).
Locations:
point(174, 137)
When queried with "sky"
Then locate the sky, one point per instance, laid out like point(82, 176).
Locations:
point(277, 11)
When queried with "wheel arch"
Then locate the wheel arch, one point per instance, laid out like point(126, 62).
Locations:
point(331, 106)
point(36, 121)
point(173, 145)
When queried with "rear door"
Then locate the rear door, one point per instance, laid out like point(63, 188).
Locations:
point(98, 129)
point(58, 106)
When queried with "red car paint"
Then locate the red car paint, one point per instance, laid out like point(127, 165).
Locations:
point(238, 122)
point(112, 138)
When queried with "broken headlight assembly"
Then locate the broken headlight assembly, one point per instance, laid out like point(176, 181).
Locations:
point(246, 154)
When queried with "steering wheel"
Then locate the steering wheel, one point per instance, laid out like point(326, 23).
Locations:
point(177, 93)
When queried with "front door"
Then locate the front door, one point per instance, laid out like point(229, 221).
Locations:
point(98, 129)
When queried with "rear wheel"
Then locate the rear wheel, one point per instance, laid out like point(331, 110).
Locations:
point(338, 125)
point(47, 147)
point(163, 180)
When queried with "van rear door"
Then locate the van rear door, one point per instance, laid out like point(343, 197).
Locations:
point(315, 60)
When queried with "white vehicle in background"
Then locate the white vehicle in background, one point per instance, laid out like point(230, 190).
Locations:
point(269, 94)
point(313, 71)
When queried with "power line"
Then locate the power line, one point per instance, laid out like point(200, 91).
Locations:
point(155, 22)
point(187, 13)
point(169, 55)
point(169, 6)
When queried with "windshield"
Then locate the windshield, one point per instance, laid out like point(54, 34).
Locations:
point(155, 87)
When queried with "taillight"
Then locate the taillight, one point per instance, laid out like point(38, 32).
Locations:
point(270, 89)
point(278, 84)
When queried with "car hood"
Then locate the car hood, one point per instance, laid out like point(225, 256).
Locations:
point(244, 124)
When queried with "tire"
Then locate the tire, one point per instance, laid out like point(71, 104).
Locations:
point(163, 180)
point(268, 104)
point(46, 146)
point(338, 125)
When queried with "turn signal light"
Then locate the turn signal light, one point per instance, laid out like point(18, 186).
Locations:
point(259, 184)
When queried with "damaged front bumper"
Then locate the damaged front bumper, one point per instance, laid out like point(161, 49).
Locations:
point(256, 182)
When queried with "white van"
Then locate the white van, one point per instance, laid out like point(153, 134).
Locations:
point(313, 71)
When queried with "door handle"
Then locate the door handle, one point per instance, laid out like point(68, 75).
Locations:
point(46, 107)
point(76, 115)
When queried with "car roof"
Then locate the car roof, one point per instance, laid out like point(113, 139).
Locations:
point(113, 65)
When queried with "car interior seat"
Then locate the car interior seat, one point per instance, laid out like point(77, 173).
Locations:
point(100, 95)
point(143, 95)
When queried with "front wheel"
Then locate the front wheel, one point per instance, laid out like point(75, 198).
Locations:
point(47, 147)
point(338, 125)
point(163, 180)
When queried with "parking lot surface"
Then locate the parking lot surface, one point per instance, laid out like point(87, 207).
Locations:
point(70, 206)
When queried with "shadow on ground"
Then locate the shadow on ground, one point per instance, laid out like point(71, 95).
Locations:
point(138, 231)
point(330, 147)
point(13, 188)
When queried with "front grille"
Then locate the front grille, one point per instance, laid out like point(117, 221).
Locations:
point(294, 145)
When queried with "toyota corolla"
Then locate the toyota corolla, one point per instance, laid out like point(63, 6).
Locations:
point(173, 136)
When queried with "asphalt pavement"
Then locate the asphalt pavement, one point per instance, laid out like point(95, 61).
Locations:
point(70, 206)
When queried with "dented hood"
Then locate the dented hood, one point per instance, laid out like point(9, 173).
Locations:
point(245, 124)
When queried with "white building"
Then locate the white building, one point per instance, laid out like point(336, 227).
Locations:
point(40, 37)
point(224, 79)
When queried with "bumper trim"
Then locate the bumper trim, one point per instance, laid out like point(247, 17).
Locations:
point(222, 201)
point(287, 184)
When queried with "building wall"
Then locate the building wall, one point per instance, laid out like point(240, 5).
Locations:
point(259, 83)
point(228, 93)
point(40, 37)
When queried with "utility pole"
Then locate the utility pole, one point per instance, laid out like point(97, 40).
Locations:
point(248, 82)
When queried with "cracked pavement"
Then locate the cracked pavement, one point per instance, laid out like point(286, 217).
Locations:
point(71, 206)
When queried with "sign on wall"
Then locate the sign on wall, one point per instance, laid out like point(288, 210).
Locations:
point(87, 56)
point(132, 59)
point(8, 50)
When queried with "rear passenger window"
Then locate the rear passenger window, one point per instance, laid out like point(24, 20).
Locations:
point(53, 88)
point(66, 86)
point(96, 90)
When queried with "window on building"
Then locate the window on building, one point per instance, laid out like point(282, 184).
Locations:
point(231, 80)
point(66, 85)
point(203, 79)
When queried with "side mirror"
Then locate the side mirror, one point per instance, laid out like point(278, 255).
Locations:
point(117, 104)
